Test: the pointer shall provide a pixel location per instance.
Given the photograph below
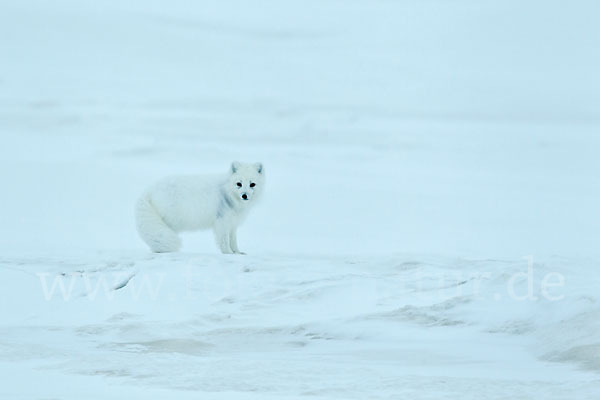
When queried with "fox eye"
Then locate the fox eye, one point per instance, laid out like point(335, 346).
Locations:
point(239, 184)
point(252, 184)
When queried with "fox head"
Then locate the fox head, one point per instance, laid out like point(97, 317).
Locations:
point(246, 180)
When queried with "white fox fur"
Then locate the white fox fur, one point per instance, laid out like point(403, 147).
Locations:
point(189, 203)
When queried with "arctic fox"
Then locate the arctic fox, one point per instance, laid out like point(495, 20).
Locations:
point(189, 203)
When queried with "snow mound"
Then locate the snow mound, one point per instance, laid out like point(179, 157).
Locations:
point(337, 327)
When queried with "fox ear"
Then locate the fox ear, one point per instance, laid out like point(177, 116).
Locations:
point(259, 167)
point(234, 167)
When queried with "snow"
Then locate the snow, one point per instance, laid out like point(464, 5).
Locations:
point(428, 231)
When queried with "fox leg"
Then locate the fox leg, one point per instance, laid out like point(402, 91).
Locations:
point(222, 237)
point(153, 230)
point(233, 241)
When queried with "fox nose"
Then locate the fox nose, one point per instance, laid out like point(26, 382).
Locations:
point(244, 196)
